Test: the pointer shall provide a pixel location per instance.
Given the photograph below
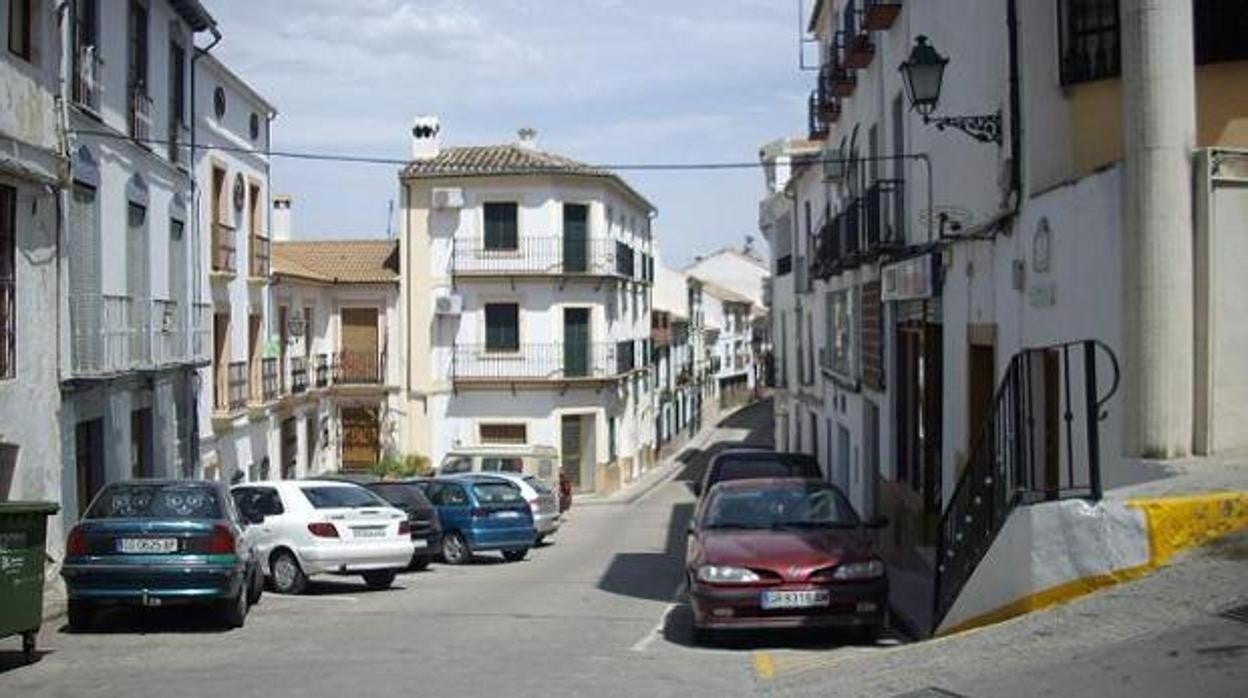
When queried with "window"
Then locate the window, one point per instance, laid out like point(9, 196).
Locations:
point(8, 282)
point(21, 20)
point(1220, 26)
point(138, 47)
point(253, 126)
point(502, 327)
point(1090, 40)
point(218, 102)
point(449, 495)
point(156, 501)
point(85, 53)
point(501, 228)
point(504, 433)
point(177, 88)
point(502, 465)
point(345, 497)
point(611, 439)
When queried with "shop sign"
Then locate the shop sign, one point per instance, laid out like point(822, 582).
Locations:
point(910, 279)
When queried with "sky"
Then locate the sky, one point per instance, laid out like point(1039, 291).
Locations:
point(602, 81)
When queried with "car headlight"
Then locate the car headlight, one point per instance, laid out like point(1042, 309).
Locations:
point(716, 574)
point(869, 569)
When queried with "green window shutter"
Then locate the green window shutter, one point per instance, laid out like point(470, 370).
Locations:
point(502, 327)
point(501, 226)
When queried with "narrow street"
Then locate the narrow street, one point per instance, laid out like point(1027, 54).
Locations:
point(600, 612)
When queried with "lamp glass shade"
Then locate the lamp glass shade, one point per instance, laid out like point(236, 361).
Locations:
point(922, 74)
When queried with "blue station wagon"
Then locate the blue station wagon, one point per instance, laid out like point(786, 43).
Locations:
point(480, 513)
point(158, 543)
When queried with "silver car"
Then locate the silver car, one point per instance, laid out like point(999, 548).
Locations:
point(541, 498)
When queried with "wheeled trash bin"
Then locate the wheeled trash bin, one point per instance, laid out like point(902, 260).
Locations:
point(23, 533)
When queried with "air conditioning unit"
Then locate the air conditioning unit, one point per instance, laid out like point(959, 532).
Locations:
point(448, 198)
point(452, 304)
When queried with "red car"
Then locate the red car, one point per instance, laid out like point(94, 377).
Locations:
point(783, 553)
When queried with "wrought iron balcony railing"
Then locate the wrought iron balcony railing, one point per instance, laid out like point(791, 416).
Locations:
point(884, 216)
point(270, 379)
point(236, 385)
point(298, 375)
point(537, 255)
point(140, 112)
point(323, 369)
point(817, 127)
point(556, 361)
point(260, 257)
point(360, 367)
point(115, 334)
point(224, 250)
point(879, 15)
point(87, 83)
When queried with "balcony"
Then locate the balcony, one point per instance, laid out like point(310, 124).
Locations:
point(118, 334)
point(884, 216)
point(625, 261)
point(818, 128)
point(536, 363)
point(857, 49)
point(87, 84)
point(298, 376)
point(850, 230)
point(538, 256)
point(260, 262)
point(201, 333)
point(828, 257)
point(224, 250)
point(829, 101)
point(140, 114)
point(360, 368)
point(625, 357)
point(879, 15)
point(270, 379)
point(322, 370)
point(168, 333)
point(236, 387)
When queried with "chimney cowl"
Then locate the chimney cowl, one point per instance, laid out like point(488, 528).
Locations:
point(527, 138)
point(426, 137)
point(279, 223)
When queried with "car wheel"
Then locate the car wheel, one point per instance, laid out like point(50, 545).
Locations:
point(541, 540)
point(378, 579)
point(419, 563)
point(515, 555)
point(256, 588)
point(234, 611)
point(455, 549)
point(288, 577)
point(80, 615)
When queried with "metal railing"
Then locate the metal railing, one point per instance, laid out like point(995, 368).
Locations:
point(236, 385)
point(1040, 442)
point(201, 332)
point(168, 333)
point(87, 85)
point(224, 250)
point(260, 257)
point(298, 375)
point(270, 381)
point(360, 367)
point(625, 261)
point(554, 361)
point(884, 214)
point(879, 15)
point(8, 327)
point(535, 255)
point(140, 114)
point(625, 356)
point(818, 127)
point(323, 369)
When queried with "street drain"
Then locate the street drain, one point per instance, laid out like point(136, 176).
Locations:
point(1237, 613)
point(930, 692)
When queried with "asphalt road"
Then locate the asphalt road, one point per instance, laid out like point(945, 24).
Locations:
point(599, 612)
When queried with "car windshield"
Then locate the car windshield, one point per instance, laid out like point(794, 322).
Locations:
point(537, 484)
point(341, 497)
point(497, 493)
point(816, 506)
point(763, 465)
point(502, 465)
point(166, 501)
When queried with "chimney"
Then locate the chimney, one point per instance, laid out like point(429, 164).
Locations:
point(527, 138)
point(280, 218)
point(426, 138)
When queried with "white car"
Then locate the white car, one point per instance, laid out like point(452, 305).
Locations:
point(542, 501)
point(303, 528)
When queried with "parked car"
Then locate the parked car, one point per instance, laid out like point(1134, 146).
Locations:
point(540, 461)
point(160, 543)
point(748, 463)
point(480, 513)
point(422, 517)
point(783, 553)
point(310, 527)
point(542, 502)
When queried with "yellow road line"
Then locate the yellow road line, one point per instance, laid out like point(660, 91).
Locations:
point(764, 666)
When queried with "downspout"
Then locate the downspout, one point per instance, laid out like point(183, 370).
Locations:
point(1016, 110)
point(66, 175)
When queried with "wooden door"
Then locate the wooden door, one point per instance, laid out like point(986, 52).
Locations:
point(360, 345)
point(575, 342)
point(575, 238)
point(221, 360)
point(361, 437)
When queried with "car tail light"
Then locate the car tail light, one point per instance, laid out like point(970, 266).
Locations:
point(479, 513)
point(323, 530)
point(222, 541)
point(405, 528)
point(77, 543)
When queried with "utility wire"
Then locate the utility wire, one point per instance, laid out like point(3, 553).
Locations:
point(376, 160)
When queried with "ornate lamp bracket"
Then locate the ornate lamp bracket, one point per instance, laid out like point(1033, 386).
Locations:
point(985, 128)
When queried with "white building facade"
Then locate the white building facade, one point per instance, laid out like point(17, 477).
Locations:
point(527, 290)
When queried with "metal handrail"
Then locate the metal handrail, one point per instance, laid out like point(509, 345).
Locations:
point(553, 361)
point(535, 254)
point(1010, 463)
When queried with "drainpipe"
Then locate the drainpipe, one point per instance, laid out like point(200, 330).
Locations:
point(66, 30)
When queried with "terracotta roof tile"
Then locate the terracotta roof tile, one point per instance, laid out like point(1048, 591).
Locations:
point(338, 261)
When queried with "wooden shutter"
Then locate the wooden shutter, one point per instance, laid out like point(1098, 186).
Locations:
point(501, 226)
point(502, 327)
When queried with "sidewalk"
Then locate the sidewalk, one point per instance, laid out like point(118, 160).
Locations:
point(660, 474)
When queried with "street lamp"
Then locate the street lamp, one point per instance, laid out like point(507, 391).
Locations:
point(923, 75)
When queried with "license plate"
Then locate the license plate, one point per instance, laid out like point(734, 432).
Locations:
point(420, 543)
point(795, 599)
point(506, 514)
point(370, 532)
point(147, 546)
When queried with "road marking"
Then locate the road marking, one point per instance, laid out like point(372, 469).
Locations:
point(349, 599)
point(764, 666)
point(655, 633)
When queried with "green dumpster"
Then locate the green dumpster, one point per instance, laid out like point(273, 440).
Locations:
point(23, 531)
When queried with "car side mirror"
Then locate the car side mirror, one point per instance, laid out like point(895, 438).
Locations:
point(878, 522)
point(697, 489)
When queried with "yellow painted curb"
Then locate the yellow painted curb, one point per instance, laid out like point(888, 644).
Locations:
point(1173, 524)
point(1178, 523)
point(764, 666)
